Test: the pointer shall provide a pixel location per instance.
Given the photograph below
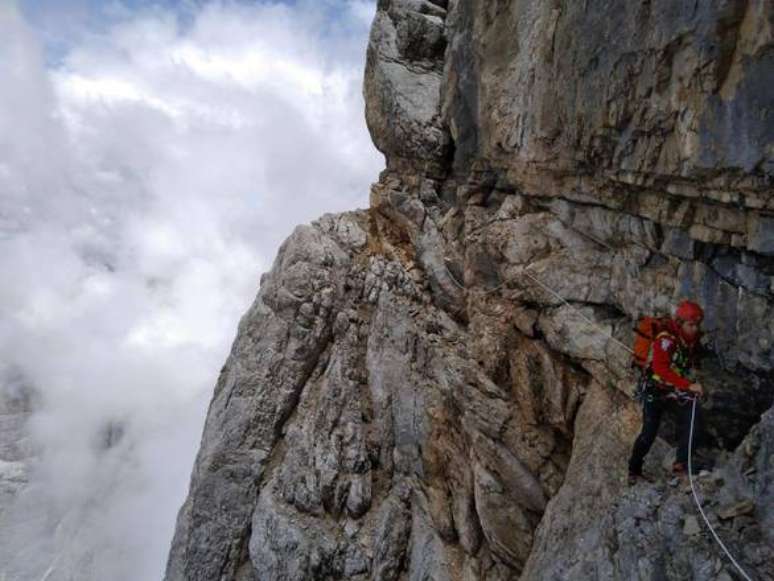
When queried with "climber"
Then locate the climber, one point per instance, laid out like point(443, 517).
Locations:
point(669, 387)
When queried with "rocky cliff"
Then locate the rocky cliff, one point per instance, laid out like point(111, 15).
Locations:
point(410, 396)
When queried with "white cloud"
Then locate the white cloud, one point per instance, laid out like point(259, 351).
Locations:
point(146, 181)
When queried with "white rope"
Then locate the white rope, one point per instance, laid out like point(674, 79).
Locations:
point(577, 311)
point(698, 504)
point(554, 293)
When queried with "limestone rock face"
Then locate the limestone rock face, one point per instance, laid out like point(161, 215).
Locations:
point(435, 387)
point(404, 64)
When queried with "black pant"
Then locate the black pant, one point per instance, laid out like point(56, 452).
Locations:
point(652, 410)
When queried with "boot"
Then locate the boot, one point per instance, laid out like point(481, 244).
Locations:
point(635, 477)
point(681, 468)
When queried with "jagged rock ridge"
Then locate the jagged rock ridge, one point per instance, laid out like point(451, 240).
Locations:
point(405, 399)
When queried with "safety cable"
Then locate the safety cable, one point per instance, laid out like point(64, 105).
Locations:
point(555, 294)
point(698, 504)
point(577, 311)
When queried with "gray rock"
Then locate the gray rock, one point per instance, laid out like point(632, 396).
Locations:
point(691, 526)
point(402, 81)
point(437, 387)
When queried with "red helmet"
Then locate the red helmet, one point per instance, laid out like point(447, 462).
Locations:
point(689, 311)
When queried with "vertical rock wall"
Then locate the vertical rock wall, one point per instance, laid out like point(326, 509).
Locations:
point(408, 398)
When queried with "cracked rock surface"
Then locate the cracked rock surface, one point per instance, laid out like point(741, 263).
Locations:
point(432, 387)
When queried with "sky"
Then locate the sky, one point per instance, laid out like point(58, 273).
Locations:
point(153, 157)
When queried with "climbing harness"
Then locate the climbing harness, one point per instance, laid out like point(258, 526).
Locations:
point(642, 391)
point(698, 503)
point(646, 390)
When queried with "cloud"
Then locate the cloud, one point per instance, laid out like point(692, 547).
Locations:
point(147, 178)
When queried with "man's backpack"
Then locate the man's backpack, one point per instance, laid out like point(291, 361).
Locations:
point(645, 332)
